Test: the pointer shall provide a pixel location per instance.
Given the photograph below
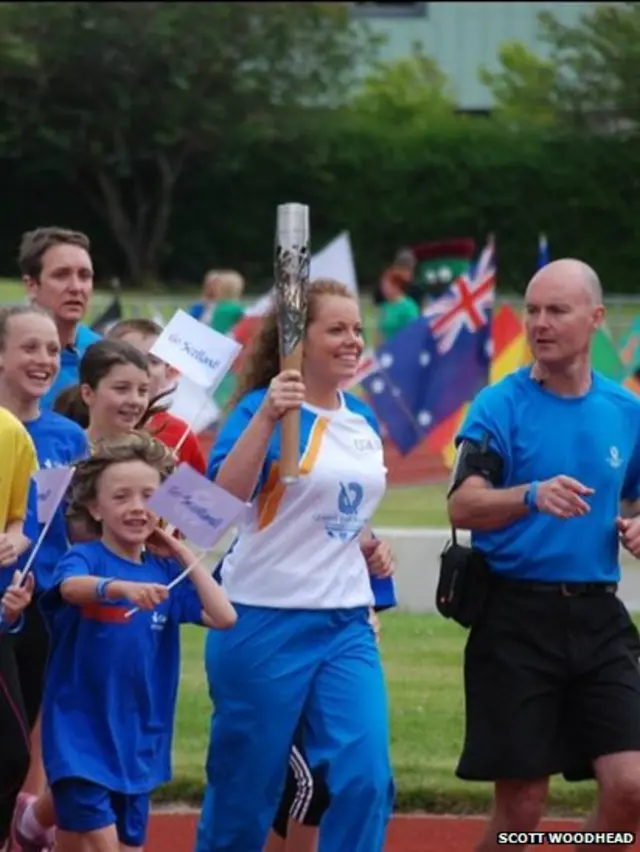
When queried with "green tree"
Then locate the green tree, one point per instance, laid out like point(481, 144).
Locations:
point(122, 96)
point(524, 89)
point(406, 92)
point(590, 79)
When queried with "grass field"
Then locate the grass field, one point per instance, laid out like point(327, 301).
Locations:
point(621, 310)
point(423, 661)
point(420, 506)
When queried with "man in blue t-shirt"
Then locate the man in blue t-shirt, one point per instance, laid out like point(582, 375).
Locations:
point(56, 268)
point(547, 478)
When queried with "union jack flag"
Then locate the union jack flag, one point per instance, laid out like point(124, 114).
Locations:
point(437, 363)
point(467, 304)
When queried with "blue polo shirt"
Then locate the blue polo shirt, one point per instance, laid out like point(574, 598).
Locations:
point(594, 439)
point(70, 363)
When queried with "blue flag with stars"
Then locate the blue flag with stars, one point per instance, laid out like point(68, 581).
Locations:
point(436, 364)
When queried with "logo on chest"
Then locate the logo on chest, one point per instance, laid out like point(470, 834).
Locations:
point(350, 498)
point(158, 620)
point(614, 459)
point(347, 523)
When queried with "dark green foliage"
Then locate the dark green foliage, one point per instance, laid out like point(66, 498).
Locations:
point(388, 189)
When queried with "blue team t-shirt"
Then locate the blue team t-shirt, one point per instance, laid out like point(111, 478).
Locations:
point(595, 439)
point(59, 442)
point(112, 682)
point(70, 358)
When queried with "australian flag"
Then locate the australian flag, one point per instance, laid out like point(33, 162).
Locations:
point(437, 363)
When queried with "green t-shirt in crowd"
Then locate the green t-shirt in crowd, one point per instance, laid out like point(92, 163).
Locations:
point(225, 315)
point(395, 315)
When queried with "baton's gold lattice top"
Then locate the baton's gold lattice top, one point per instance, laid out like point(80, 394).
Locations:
point(291, 280)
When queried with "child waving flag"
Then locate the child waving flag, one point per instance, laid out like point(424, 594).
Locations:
point(112, 681)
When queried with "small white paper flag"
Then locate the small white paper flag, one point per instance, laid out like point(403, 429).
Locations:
point(197, 351)
point(194, 405)
point(199, 509)
point(336, 261)
point(52, 484)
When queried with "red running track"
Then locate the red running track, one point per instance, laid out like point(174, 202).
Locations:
point(175, 832)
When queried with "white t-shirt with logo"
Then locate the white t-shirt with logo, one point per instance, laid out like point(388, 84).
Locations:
point(299, 546)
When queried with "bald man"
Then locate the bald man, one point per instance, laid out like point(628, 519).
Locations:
point(547, 479)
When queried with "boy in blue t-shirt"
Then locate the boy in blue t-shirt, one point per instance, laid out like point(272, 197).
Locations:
point(112, 680)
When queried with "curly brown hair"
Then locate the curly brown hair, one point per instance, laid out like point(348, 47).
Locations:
point(262, 363)
point(128, 448)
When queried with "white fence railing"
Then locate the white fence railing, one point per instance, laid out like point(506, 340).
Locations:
point(621, 310)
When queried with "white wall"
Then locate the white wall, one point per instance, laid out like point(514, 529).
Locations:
point(417, 553)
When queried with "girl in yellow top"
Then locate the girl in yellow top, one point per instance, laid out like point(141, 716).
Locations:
point(18, 464)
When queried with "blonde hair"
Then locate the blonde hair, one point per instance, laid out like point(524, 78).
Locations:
point(229, 284)
point(7, 314)
point(262, 363)
point(210, 285)
point(128, 448)
point(137, 325)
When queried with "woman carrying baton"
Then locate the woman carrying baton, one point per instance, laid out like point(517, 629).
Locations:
point(303, 651)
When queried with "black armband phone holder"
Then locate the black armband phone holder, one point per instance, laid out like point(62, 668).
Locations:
point(474, 459)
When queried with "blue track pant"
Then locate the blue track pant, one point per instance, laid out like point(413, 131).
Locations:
point(274, 669)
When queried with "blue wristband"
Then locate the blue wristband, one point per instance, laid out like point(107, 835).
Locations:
point(531, 496)
point(101, 588)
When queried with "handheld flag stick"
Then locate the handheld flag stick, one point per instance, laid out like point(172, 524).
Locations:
point(49, 498)
point(50, 511)
point(175, 580)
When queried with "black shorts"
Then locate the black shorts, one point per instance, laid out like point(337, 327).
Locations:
point(31, 647)
point(551, 683)
point(305, 798)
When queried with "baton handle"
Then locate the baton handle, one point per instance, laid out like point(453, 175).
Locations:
point(290, 427)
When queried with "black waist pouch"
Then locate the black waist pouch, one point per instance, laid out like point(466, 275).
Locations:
point(463, 584)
